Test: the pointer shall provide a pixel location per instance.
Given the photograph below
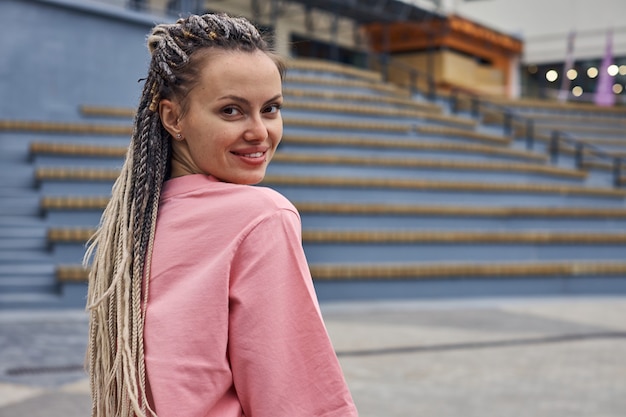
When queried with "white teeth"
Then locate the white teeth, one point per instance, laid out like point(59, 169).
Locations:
point(253, 155)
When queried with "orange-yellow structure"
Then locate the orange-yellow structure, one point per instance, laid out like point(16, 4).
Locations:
point(455, 51)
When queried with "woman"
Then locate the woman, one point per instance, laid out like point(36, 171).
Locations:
point(201, 300)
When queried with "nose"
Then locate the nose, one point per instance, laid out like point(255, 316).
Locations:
point(256, 129)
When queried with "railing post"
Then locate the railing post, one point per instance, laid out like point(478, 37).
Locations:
point(413, 82)
point(617, 172)
point(386, 51)
point(432, 94)
point(334, 30)
point(454, 101)
point(530, 134)
point(384, 63)
point(507, 124)
point(579, 154)
point(554, 146)
point(475, 104)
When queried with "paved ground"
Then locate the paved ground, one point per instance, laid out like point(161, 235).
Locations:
point(553, 357)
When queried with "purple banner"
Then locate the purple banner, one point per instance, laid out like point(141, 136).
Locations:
point(604, 91)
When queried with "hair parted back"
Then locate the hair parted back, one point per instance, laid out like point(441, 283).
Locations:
point(120, 250)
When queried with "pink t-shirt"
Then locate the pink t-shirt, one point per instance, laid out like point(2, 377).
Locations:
point(233, 327)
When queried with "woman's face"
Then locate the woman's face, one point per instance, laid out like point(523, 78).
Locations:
point(232, 124)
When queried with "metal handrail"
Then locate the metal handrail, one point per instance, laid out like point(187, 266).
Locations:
point(581, 148)
point(509, 116)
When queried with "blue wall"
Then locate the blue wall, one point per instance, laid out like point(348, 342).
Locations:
point(59, 54)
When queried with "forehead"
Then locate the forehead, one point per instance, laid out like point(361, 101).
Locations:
point(229, 72)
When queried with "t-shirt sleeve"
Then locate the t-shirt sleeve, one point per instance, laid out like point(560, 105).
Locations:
point(282, 360)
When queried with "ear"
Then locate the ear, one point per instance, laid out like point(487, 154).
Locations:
point(169, 112)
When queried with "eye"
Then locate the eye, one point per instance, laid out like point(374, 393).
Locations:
point(231, 111)
point(273, 108)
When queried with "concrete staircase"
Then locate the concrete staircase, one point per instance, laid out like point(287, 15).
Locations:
point(399, 197)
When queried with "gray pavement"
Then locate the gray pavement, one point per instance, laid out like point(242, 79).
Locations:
point(504, 357)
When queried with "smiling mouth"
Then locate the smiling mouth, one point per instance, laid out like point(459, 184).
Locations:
point(250, 155)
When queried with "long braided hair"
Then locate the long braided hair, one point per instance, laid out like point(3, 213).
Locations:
point(120, 250)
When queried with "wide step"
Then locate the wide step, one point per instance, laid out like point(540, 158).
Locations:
point(323, 272)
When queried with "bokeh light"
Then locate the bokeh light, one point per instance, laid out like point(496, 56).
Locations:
point(552, 75)
point(572, 74)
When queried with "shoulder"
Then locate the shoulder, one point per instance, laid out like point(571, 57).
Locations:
point(266, 216)
point(267, 198)
point(207, 191)
point(258, 204)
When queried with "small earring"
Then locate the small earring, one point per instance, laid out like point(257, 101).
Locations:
point(179, 136)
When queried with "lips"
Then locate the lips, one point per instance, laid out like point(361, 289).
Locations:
point(250, 153)
point(251, 157)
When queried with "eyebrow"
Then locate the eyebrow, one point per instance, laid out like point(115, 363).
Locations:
point(246, 101)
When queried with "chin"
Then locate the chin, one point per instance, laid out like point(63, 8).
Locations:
point(254, 181)
point(246, 179)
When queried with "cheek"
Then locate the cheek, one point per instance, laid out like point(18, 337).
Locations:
point(206, 150)
point(277, 131)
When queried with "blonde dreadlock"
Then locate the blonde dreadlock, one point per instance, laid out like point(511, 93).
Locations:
point(120, 250)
